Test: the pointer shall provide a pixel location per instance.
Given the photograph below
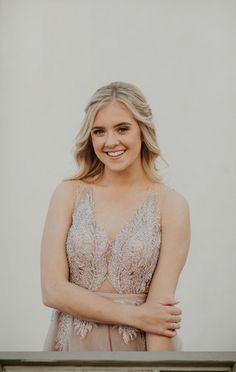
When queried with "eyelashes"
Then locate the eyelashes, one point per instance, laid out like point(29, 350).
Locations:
point(123, 129)
point(100, 132)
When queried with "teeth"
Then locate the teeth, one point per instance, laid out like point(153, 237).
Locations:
point(116, 153)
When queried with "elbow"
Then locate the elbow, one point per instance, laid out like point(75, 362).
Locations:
point(51, 295)
point(47, 298)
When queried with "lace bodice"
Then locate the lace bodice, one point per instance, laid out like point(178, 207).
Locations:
point(128, 262)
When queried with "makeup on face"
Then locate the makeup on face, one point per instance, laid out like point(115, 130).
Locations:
point(115, 134)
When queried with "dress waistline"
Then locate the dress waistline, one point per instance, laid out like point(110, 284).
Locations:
point(127, 298)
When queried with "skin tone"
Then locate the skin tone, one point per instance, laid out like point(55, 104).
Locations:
point(114, 128)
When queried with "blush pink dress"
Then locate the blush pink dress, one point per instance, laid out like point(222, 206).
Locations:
point(128, 262)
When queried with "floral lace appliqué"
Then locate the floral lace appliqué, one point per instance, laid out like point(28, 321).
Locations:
point(133, 258)
point(82, 327)
point(134, 252)
point(64, 324)
point(127, 333)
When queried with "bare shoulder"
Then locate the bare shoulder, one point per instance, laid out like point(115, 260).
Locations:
point(66, 188)
point(65, 193)
point(173, 203)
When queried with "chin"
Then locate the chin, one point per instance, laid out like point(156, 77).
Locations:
point(119, 167)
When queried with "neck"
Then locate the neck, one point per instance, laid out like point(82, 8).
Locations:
point(123, 179)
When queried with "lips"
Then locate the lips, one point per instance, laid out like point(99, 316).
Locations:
point(115, 154)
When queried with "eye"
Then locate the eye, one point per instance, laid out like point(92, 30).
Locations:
point(98, 132)
point(122, 129)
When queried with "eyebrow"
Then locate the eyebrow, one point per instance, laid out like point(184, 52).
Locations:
point(117, 125)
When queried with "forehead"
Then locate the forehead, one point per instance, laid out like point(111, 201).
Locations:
point(112, 113)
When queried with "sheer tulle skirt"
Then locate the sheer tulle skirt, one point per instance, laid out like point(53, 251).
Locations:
point(67, 333)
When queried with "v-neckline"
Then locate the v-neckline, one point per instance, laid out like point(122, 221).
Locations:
point(131, 220)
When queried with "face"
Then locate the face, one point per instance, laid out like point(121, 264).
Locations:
point(116, 137)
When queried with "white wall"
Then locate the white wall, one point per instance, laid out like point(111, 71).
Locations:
point(182, 55)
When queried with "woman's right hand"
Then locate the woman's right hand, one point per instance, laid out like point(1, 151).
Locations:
point(160, 317)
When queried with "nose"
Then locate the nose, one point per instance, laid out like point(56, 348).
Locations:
point(111, 139)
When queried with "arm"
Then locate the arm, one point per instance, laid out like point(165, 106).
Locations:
point(57, 291)
point(174, 248)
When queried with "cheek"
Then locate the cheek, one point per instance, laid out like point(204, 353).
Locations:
point(98, 145)
point(135, 140)
point(96, 142)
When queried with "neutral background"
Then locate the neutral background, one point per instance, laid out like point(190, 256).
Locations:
point(182, 55)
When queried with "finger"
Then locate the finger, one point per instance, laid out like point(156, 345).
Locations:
point(168, 301)
point(169, 333)
point(175, 310)
point(175, 319)
point(173, 326)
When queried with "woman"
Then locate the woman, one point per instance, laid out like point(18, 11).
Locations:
point(116, 237)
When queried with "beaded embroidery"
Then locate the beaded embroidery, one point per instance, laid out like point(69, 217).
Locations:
point(64, 324)
point(129, 333)
point(133, 258)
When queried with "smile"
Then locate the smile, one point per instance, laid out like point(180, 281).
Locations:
point(115, 154)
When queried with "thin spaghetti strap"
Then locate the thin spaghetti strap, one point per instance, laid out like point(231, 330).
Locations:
point(164, 194)
point(161, 194)
point(157, 202)
point(79, 189)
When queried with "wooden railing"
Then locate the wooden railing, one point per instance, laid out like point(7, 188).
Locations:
point(114, 362)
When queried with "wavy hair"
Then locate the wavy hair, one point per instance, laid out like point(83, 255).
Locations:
point(89, 166)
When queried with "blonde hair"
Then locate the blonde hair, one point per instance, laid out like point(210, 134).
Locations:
point(89, 166)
